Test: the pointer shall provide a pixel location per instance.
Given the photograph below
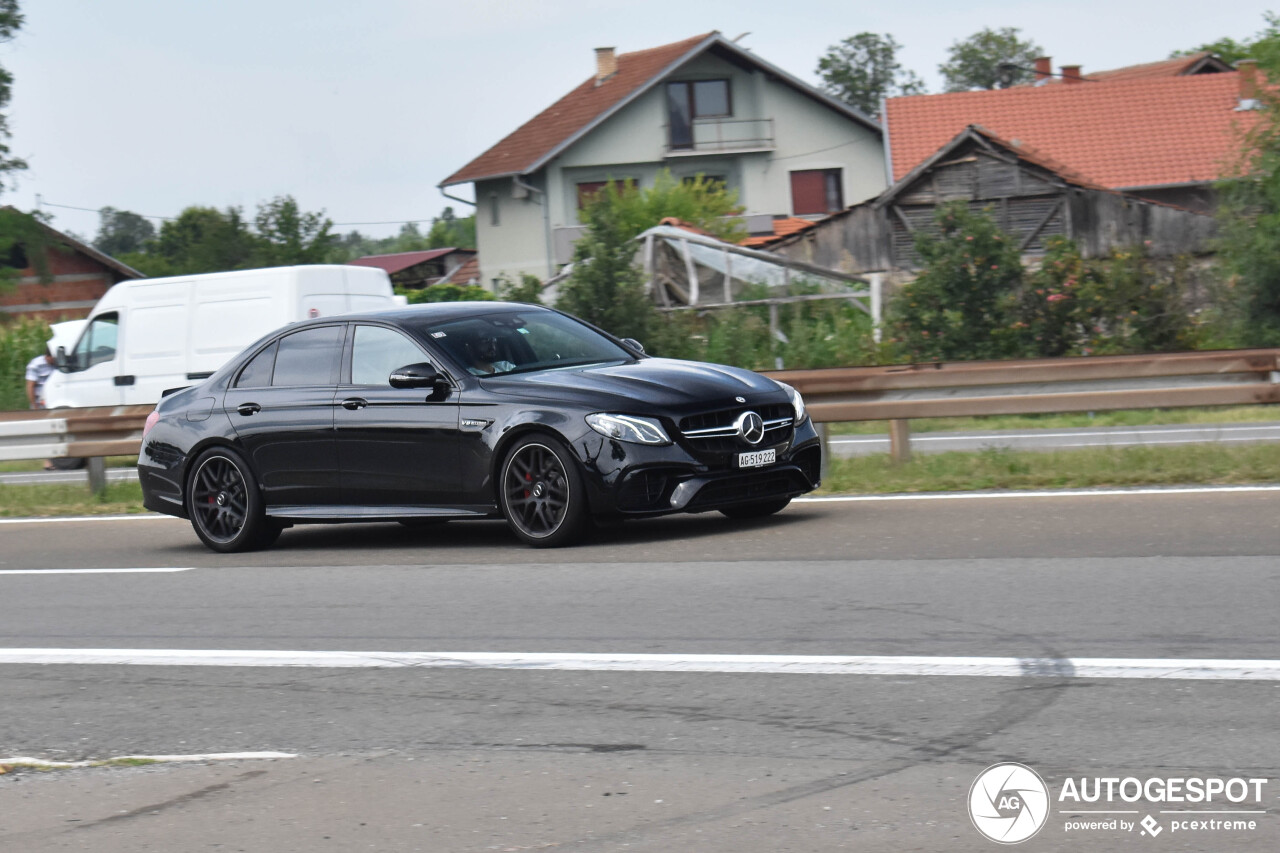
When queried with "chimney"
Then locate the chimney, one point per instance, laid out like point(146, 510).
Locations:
point(1044, 69)
point(1248, 69)
point(606, 64)
point(1071, 74)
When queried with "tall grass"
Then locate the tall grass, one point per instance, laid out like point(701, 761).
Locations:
point(20, 341)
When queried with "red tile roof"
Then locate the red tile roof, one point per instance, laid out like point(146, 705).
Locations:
point(541, 134)
point(402, 260)
point(783, 227)
point(466, 273)
point(1128, 133)
point(1175, 67)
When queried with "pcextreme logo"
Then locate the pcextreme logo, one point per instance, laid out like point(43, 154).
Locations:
point(1009, 803)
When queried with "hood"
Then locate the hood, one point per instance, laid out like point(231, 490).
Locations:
point(650, 383)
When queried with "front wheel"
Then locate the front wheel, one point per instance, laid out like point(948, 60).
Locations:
point(541, 493)
point(224, 504)
point(759, 510)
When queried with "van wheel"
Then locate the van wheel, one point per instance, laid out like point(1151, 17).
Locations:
point(541, 493)
point(68, 463)
point(224, 503)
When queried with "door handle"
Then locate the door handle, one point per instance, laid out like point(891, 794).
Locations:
point(354, 403)
point(247, 409)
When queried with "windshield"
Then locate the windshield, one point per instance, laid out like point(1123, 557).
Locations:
point(519, 342)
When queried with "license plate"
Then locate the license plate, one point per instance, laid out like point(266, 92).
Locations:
point(757, 458)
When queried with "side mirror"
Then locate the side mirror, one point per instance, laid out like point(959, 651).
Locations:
point(634, 344)
point(60, 358)
point(421, 375)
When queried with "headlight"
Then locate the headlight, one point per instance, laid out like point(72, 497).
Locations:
point(798, 402)
point(629, 428)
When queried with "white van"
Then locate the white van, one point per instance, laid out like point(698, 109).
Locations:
point(150, 335)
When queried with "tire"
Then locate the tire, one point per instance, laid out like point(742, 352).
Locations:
point(68, 463)
point(224, 503)
point(759, 510)
point(541, 493)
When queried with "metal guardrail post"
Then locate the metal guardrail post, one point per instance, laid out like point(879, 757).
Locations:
point(97, 475)
point(900, 440)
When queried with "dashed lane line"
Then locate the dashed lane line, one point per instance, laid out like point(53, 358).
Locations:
point(1004, 667)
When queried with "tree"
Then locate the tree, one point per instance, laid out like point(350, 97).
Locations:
point(201, 239)
point(121, 232)
point(287, 236)
point(605, 287)
point(964, 304)
point(863, 69)
point(1249, 210)
point(1232, 51)
point(990, 59)
point(10, 22)
point(448, 231)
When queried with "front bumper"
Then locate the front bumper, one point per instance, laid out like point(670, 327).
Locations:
point(645, 481)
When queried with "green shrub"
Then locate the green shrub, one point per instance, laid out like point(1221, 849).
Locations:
point(20, 341)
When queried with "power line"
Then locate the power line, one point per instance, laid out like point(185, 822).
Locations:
point(43, 203)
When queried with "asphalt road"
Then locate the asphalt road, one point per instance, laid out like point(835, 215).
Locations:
point(519, 756)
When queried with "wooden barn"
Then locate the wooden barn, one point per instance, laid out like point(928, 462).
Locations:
point(78, 276)
point(1030, 197)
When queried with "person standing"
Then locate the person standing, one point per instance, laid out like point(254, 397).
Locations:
point(39, 369)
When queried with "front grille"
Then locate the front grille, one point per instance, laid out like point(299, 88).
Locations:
point(747, 488)
point(715, 432)
point(648, 489)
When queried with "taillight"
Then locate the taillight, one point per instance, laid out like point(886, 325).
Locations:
point(152, 420)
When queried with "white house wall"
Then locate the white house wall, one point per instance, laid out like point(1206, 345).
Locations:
point(632, 143)
point(517, 243)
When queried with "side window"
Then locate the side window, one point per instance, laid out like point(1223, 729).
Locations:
point(98, 342)
point(309, 357)
point(257, 373)
point(377, 352)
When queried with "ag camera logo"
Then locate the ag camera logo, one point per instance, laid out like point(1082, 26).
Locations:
point(1008, 803)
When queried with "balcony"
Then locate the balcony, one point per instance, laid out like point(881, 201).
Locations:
point(721, 135)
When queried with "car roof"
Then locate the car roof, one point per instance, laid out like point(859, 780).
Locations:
point(438, 311)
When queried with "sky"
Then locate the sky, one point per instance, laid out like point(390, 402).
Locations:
point(361, 109)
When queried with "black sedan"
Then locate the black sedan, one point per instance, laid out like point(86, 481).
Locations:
point(463, 411)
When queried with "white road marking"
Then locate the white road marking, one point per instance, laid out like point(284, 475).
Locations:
point(1241, 670)
point(1058, 493)
point(211, 756)
point(92, 571)
point(1097, 432)
point(150, 516)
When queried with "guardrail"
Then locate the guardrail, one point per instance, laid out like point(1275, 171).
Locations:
point(90, 434)
point(895, 393)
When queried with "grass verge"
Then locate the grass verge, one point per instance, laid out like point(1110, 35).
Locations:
point(999, 468)
point(69, 499)
point(1074, 420)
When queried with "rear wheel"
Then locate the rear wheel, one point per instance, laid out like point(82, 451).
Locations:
point(224, 503)
point(759, 510)
point(541, 493)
